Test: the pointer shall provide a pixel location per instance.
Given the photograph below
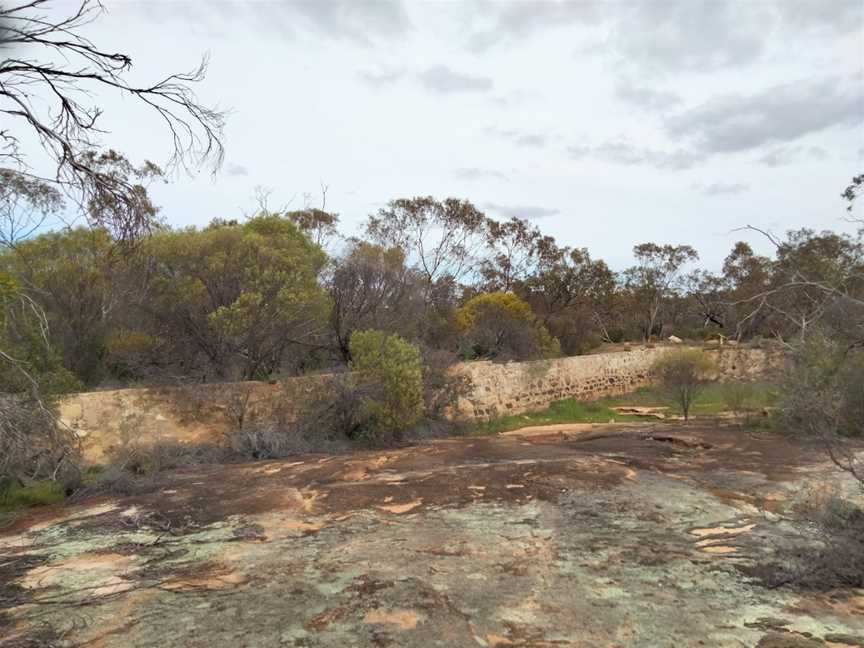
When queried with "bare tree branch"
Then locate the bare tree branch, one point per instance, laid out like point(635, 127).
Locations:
point(48, 87)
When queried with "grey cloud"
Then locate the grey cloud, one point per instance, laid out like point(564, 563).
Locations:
point(672, 35)
point(669, 35)
point(381, 77)
point(236, 169)
point(475, 173)
point(844, 16)
point(524, 18)
point(785, 155)
point(731, 123)
point(520, 138)
point(531, 212)
point(381, 16)
point(721, 188)
point(352, 20)
point(365, 23)
point(695, 35)
point(444, 80)
point(622, 151)
point(646, 98)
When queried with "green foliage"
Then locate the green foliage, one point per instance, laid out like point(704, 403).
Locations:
point(505, 304)
point(126, 352)
point(371, 287)
point(71, 274)
point(19, 496)
point(682, 374)
point(501, 325)
point(391, 369)
point(237, 295)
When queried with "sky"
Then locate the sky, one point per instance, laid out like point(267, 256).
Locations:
point(608, 124)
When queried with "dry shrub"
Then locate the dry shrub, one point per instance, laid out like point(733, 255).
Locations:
point(827, 553)
point(267, 441)
point(136, 468)
point(682, 375)
point(34, 446)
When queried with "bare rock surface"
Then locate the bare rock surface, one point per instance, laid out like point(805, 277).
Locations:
point(595, 536)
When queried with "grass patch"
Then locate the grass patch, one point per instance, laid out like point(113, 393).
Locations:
point(709, 402)
point(40, 493)
point(568, 410)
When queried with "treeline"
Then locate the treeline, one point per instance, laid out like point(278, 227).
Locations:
point(263, 297)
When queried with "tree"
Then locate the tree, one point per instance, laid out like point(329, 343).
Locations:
point(317, 224)
point(822, 397)
point(746, 275)
point(370, 287)
point(808, 262)
point(127, 215)
point(708, 292)
point(48, 83)
point(34, 445)
point(682, 375)
point(571, 293)
point(513, 250)
point(812, 274)
point(853, 190)
point(499, 325)
point(26, 205)
point(237, 296)
point(654, 278)
point(73, 276)
point(440, 237)
point(822, 394)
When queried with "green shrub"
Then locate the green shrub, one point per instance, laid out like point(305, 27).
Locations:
point(500, 325)
point(682, 375)
point(391, 371)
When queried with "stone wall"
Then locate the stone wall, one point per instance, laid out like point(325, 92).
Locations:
point(516, 387)
point(108, 419)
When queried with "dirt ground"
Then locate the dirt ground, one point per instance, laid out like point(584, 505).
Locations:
point(578, 535)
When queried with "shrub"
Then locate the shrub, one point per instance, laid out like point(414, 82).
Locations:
point(822, 397)
point(500, 325)
point(266, 441)
point(388, 371)
point(151, 459)
point(135, 469)
point(827, 550)
point(682, 375)
point(739, 398)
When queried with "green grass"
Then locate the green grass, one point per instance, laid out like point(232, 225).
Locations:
point(16, 497)
point(709, 402)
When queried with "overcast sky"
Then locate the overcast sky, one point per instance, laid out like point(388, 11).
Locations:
point(608, 124)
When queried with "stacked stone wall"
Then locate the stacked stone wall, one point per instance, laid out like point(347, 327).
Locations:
point(203, 413)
